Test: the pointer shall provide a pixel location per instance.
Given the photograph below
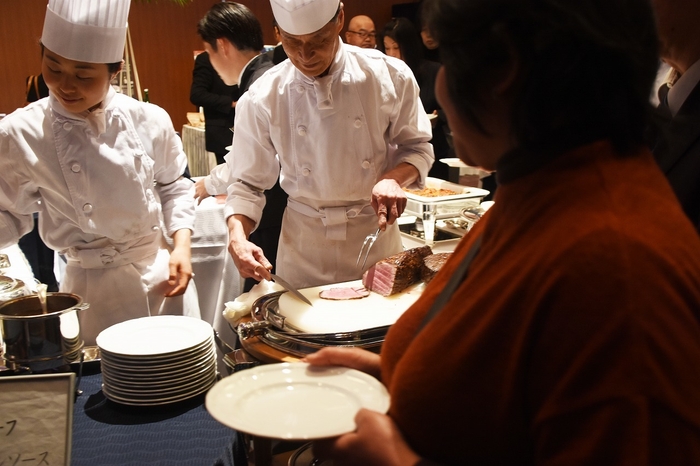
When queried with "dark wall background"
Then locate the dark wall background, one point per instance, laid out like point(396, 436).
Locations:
point(164, 36)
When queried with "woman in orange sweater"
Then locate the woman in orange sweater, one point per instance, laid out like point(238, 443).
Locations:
point(572, 337)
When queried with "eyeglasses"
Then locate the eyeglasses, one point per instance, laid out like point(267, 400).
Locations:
point(365, 34)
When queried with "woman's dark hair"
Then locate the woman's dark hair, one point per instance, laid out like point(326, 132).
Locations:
point(584, 68)
point(405, 34)
point(114, 67)
point(233, 21)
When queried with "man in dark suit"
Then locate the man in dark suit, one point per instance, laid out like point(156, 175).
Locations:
point(277, 54)
point(233, 38)
point(218, 101)
point(675, 137)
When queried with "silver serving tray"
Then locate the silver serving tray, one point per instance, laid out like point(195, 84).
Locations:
point(270, 327)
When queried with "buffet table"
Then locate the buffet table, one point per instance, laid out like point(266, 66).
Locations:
point(107, 433)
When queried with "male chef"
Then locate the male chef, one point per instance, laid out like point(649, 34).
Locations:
point(345, 130)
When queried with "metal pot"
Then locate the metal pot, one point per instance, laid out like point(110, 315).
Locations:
point(38, 341)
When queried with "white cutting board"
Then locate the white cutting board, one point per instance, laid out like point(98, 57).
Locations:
point(328, 316)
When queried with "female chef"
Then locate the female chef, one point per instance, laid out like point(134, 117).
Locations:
point(104, 172)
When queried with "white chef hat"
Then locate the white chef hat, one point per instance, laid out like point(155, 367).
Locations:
point(92, 31)
point(301, 17)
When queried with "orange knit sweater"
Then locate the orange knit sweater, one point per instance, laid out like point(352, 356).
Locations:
point(575, 338)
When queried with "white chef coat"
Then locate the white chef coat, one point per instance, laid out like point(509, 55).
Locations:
point(104, 201)
point(335, 137)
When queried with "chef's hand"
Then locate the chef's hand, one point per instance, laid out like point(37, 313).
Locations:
point(180, 263)
point(354, 358)
point(388, 201)
point(376, 442)
point(200, 191)
point(248, 257)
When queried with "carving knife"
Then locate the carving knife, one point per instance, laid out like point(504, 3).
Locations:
point(290, 288)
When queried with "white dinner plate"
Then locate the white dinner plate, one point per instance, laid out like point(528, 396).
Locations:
point(295, 401)
point(147, 336)
point(159, 361)
point(154, 400)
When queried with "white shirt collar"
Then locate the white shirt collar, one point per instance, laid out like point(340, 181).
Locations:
point(682, 87)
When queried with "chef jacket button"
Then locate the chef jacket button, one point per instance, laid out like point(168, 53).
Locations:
point(67, 126)
point(87, 208)
point(300, 89)
point(365, 164)
point(75, 168)
point(155, 228)
point(358, 123)
point(306, 171)
point(302, 131)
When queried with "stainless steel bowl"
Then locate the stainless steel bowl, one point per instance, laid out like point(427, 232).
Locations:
point(37, 340)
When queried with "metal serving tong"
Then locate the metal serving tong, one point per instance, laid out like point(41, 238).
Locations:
point(366, 246)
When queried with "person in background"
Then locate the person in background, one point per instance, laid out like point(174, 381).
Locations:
point(277, 54)
point(431, 46)
point(219, 103)
point(676, 131)
point(564, 330)
point(361, 32)
point(431, 51)
point(233, 36)
point(323, 122)
point(400, 39)
point(103, 171)
point(233, 39)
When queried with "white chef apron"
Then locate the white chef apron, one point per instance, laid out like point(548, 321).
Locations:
point(308, 254)
point(124, 283)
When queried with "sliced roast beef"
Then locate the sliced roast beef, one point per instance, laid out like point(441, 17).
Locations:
point(342, 293)
point(397, 272)
point(433, 263)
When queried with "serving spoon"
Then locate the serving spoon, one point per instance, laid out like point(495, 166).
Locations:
point(41, 293)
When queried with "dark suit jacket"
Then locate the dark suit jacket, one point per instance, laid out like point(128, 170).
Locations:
point(278, 55)
point(210, 92)
point(677, 151)
point(254, 70)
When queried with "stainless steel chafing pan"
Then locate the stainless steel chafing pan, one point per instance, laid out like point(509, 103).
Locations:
point(269, 326)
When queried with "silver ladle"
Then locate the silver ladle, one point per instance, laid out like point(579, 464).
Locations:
point(41, 293)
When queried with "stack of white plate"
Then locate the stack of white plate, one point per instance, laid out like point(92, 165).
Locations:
point(157, 360)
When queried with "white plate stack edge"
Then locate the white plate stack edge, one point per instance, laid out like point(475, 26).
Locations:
point(157, 360)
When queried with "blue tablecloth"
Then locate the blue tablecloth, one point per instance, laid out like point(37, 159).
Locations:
point(107, 433)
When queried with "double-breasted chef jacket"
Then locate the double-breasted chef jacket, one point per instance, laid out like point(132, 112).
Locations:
point(330, 139)
point(107, 192)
